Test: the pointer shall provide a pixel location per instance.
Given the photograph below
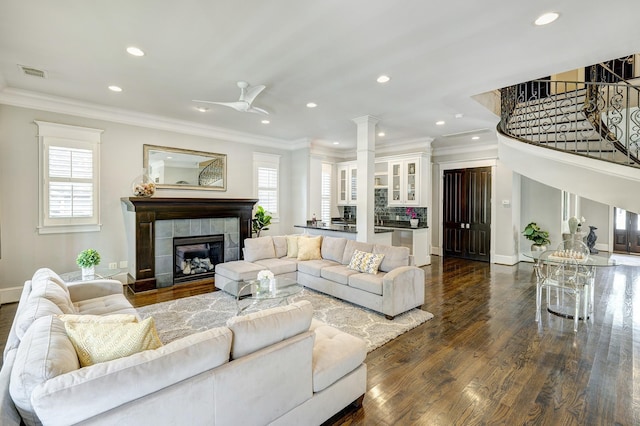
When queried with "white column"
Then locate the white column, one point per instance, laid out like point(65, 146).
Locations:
point(365, 147)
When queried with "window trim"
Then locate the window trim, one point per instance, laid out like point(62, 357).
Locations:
point(54, 134)
point(326, 199)
point(271, 161)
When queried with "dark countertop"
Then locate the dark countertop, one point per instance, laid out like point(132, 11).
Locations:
point(351, 229)
point(396, 224)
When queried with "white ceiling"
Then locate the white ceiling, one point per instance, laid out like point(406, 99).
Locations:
point(438, 55)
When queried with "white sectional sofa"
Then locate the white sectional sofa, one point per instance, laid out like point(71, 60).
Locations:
point(396, 287)
point(276, 366)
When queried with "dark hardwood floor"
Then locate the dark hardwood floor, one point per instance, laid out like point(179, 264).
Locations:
point(484, 360)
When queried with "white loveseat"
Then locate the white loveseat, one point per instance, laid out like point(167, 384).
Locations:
point(277, 366)
point(396, 287)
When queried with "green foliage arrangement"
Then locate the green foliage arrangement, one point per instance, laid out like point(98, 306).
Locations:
point(533, 233)
point(88, 258)
point(260, 221)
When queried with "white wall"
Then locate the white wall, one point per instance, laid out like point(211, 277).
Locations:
point(541, 204)
point(24, 250)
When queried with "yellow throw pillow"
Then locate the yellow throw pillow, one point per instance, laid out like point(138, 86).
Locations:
point(114, 318)
point(362, 261)
point(103, 341)
point(309, 248)
point(292, 246)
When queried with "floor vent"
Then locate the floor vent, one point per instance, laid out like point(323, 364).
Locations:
point(33, 72)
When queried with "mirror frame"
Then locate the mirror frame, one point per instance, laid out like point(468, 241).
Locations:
point(211, 155)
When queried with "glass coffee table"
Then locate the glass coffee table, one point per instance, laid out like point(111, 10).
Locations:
point(254, 291)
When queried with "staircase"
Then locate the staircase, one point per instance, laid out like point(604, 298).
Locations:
point(599, 120)
point(581, 137)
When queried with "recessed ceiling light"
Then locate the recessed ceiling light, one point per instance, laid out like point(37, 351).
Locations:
point(546, 18)
point(440, 123)
point(115, 88)
point(169, 157)
point(383, 79)
point(475, 138)
point(336, 143)
point(381, 134)
point(312, 105)
point(132, 50)
point(458, 115)
point(265, 122)
point(202, 109)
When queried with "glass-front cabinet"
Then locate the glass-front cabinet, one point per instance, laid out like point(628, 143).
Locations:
point(406, 184)
point(347, 184)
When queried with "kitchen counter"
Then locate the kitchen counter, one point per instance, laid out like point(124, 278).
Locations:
point(351, 229)
point(391, 224)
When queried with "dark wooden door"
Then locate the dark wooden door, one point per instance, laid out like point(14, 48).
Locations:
point(626, 234)
point(467, 213)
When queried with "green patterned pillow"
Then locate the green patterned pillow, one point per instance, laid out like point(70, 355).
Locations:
point(362, 261)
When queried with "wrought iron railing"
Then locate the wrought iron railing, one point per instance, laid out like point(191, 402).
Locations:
point(595, 119)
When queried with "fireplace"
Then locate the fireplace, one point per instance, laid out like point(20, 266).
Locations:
point(151, 224)
point(195, 258)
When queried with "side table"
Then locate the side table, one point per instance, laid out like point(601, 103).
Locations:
point(100, 274)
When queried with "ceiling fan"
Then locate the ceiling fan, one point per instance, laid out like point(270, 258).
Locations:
point(247, 95)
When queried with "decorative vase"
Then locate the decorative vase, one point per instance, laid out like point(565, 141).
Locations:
point(573, 225)
point(143, 185)
point(88, 272)
point(264, 284)
point(538, 248)
point(414, 223)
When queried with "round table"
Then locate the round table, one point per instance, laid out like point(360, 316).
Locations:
point(592, 262)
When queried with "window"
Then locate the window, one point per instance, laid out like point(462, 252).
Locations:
point(267, 178)
point(69, 178)
point(325, 206)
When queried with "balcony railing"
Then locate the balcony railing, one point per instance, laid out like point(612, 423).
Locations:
point(595, 119)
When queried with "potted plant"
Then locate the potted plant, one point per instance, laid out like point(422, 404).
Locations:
point(87, 261)
point(260, 221)
point(413, 217)
point(539, 237)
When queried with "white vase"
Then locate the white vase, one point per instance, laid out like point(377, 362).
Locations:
point(414, 223)
point(88, 272)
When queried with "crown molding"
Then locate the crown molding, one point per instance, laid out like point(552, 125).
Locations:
point(39, 101)
point(391, 148)
point(463, 149)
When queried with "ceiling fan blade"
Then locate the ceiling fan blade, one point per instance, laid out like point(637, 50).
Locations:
point(258, 110)
point(251, 93)
point(238, 105)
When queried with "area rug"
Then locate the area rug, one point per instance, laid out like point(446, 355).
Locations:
point(182, 317)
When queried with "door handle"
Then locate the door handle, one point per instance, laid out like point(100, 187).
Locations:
point(467, 226)
point(462, 225)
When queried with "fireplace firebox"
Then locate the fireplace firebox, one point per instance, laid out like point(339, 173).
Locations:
point(196, 257)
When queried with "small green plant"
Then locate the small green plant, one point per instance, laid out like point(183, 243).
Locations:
point(533, 233)
point(88, 258)
point(260, 221)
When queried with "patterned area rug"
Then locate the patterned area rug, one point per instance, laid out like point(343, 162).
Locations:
point(186, 316)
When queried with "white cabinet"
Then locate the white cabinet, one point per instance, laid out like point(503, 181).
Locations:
point(347, 184)
point(408, 181)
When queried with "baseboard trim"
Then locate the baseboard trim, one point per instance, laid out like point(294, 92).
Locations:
point(10, 295)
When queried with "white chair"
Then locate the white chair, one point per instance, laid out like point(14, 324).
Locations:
point(562, 275)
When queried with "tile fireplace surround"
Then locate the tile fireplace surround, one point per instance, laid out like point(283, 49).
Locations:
point(150, 221)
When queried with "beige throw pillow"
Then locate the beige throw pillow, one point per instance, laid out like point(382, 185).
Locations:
point(292, 246)
point(96, 342)
point(365, 262)
point(309, 248)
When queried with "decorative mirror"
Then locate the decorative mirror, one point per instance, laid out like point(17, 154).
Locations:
point(177, 168)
